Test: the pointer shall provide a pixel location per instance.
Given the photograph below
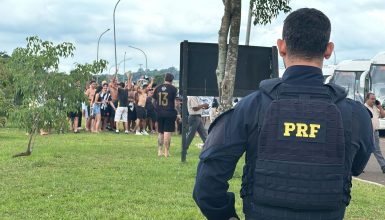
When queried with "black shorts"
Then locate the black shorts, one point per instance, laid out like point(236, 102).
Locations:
point(73, 115)
point(141, 112)
point(88, 110)
point(152, 114)
point(132, 114)
point(166, 124)
point(105, 112)
point(112, 110)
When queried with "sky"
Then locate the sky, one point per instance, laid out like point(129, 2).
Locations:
point(158, 26)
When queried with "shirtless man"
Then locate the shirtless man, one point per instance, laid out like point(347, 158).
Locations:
point(141, 108)
point(90, 93)
point(113, 89)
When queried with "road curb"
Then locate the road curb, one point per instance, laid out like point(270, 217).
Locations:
point(367, 181)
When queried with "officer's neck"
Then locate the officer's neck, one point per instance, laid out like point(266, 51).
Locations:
point(293, 61)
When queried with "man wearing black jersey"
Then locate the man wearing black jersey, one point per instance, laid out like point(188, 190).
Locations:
point(164, 96)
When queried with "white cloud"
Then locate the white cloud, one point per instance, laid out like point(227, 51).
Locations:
point(158, 27)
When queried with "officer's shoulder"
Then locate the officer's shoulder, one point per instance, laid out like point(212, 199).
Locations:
point(248, 103)
point(338, 91)
point(356, 105)
point(220, 117)
point(268, 85)
point(358, 110)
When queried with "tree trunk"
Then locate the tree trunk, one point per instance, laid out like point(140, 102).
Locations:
point(32, 134)
point(228, 56)
point(30, 142)
point(222, 44)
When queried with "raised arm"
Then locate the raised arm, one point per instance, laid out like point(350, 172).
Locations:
point(129, 80)
point(151, 83)
point(112, 84)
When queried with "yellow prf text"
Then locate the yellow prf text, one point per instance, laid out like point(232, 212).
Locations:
point(301, 130)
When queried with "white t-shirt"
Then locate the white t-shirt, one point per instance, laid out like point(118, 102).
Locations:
point(376, 116)
point(192, 102)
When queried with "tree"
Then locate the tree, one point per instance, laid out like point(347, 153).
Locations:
point(263, 11)
point(48, 95)
point(6, 89)
point(158, 79)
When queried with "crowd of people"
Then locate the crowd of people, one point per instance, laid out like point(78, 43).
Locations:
point(140, 107)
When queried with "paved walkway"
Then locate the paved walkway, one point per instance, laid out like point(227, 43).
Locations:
point(373, 171)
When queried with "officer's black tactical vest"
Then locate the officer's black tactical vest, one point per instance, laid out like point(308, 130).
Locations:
point(301, 150)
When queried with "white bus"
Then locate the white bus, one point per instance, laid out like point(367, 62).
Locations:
point(348, 75)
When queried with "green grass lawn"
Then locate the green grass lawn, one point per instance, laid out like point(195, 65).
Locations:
point(109, 176)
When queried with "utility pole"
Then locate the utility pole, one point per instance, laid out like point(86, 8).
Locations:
point(116, 59)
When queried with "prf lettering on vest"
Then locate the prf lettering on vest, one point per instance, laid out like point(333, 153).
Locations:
point(302, 130)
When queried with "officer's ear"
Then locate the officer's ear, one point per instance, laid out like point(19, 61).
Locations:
point(281, 44)
point(329, 50)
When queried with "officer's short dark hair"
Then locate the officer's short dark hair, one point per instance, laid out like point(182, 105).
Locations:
point(168, 77)
point(306, 32)
point(122, 84)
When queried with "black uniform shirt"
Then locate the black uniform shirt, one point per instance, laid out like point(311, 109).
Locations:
point(165, 96)
point(122, 97)
point(228, 139)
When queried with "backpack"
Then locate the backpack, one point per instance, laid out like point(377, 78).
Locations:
point(300, 160)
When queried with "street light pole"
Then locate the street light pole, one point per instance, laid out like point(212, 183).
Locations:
point(145, 56)
point(124, 66)
point(118, 65)
point(116, 61)
point(124, 60)
point(97, 51)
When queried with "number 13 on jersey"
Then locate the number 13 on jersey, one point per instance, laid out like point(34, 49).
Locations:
point(163, 99)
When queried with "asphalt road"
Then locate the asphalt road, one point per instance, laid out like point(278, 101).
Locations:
point(372, 170)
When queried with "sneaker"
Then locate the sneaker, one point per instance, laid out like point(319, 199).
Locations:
point(117, 131)
point(144, 132)
point(138, 133)
point(126, 132)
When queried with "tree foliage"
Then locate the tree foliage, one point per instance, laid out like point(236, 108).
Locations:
point(6, 89)
point(158, 79)
point(264, 11)
point(47, 94)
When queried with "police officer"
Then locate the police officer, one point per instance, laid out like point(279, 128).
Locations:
point(301, 142)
